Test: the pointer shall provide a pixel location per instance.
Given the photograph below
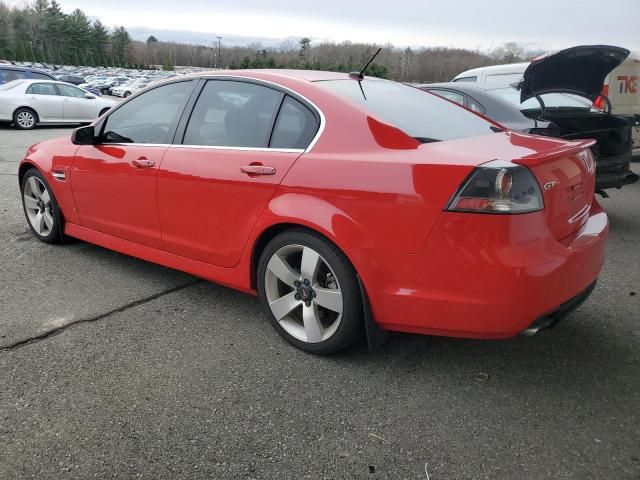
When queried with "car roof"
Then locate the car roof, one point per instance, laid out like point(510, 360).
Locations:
point(506, 68)
point(308, 75)
point(4, 66)
point(28, 81)
point(465, 86)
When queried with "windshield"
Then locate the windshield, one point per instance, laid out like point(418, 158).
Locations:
point(551, 100)
point(422, 115)
point(11, 84)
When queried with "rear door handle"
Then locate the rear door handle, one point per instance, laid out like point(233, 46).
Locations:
point(258, 170)
point(143, 163)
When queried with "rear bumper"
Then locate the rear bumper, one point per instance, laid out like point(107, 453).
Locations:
point(484, 276)
point(550, 320)
point(615, 179)
point(614, 172)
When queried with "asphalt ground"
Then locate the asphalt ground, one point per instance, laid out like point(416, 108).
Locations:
point(111, 367)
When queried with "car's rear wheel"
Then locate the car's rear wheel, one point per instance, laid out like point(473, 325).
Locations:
point(103, 111)
point(105, 91)
point(25, 118)
point(40, 207)
point(310, 292)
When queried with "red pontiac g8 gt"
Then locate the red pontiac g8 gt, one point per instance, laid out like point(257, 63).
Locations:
point(343, 201)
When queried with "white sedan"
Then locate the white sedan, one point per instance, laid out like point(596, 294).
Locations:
point(28, 103)
point(129, 88)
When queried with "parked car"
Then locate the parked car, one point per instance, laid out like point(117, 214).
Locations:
point(335, 198)
point(623, 100)
point(555, 98)
point(130, 88)
point(9, 73)
point(72, 79)
point(28, 103)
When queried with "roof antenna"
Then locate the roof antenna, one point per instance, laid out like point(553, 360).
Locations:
point(360, 75)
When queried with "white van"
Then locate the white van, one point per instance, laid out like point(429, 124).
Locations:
point(621, 86)
point(504, 74)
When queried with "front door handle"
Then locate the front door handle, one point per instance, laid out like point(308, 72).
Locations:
point(143, 163)
point(257, 170)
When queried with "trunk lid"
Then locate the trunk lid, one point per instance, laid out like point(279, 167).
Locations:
point(580, 70)
point(566, 175)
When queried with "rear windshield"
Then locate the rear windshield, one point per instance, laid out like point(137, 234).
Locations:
point(10, 85)
point(422, 115)
point(551, 100)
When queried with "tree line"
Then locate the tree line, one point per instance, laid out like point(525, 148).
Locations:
point(42, 32)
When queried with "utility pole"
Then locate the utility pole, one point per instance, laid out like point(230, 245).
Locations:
point(219, 62)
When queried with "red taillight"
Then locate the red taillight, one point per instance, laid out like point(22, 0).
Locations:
point(498, 187)
point(600, 102)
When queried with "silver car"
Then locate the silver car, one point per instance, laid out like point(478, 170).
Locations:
point(27, 103)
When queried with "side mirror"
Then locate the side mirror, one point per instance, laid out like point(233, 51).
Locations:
point(84, 136)
point(89, 96)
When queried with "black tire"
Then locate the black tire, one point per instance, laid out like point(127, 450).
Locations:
point(126, 94)
point(103, 111)
point(105, 91)
point(54, 234)
point(18, 116)
point(350, 327)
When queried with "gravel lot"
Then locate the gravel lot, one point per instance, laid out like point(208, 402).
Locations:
point(150, 373)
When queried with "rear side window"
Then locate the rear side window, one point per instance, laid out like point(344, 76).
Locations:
point(465, 79)
point(148, 118)
point(40, 76)
point(70, 91)
point(453, 96)
point(296, 126)
point(42, 89)
point(421, 115)
point(10, 75)
point(233, 114)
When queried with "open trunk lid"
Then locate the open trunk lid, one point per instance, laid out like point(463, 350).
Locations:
point(580, 70)
point(566, 175)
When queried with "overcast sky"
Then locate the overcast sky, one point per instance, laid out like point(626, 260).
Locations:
point(539, 24)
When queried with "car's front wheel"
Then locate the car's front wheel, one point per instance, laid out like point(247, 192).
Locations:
point(40, 207)
point(126, 94)
point(310, 292)
point(25, 118)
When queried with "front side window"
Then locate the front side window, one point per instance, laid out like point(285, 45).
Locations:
point(71, 91)
point(421, 115)
point(42, 89)
point(233, 114)
point(295, 127)
point(149, 117)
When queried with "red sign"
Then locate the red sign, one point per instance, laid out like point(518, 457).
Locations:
point(628, 84)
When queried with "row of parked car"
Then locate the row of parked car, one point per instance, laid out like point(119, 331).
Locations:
point(34, 94)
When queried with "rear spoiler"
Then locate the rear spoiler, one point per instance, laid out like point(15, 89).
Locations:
point(566, 148)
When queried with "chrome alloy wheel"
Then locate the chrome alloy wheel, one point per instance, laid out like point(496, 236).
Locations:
point(303, 293)
point(37, 203)
point(25, 119)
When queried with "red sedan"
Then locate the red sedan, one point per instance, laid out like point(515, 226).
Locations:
point(343, 202)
